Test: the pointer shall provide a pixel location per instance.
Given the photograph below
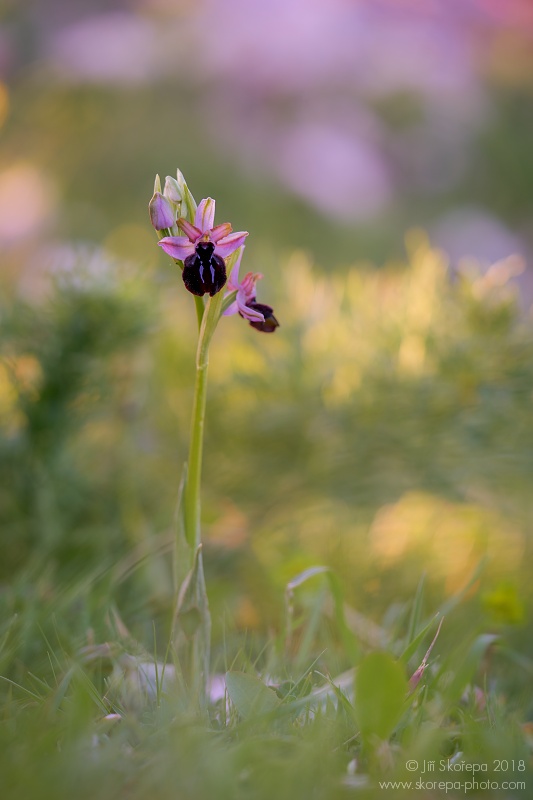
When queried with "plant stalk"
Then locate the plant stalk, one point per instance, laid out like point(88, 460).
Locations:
point(210, 319)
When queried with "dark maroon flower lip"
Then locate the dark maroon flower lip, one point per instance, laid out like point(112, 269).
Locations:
point(204, 272)
point(269, 323)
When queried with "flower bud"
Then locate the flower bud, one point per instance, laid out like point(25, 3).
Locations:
point(172, 190)
point(414, 680)
point(188, 208)
point(161, 212)
point(180, 181)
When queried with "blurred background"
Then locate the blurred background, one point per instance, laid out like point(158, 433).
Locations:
point(379, 152)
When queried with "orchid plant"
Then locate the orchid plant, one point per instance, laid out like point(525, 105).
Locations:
point(209, 257)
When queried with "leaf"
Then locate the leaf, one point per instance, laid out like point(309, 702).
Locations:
point(348, 638)
point(416, 611)
point(411, 649)
point(469, 665)
point(305, 575)
point(249, 695)
point(341, 697)
point(193, 628)
point(380, 692)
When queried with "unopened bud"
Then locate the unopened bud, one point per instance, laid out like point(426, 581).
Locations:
point(161, 212)
point(180, 181)
point(188, 208)
point(414, 680)
point(172, 190)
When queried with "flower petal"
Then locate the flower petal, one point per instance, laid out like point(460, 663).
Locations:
point(233, 280)
point(219, 231)
point(269, 323)
point(247, 285)
point(250, 313)
point(189, 230)
point(226, 246)
point(205, 215)
point(232, 309)
point(177, 247)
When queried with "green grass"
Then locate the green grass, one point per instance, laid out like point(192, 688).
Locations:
point(368, 473)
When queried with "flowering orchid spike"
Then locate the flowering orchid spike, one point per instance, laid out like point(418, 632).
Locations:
point(203, 249)
point(260, 316)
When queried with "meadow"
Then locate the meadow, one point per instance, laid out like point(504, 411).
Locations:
point(367, 472)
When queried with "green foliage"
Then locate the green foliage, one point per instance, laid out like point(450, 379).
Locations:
point(380, 691)
point(384, 434)
point(249, 695)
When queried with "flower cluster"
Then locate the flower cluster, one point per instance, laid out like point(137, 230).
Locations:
point(203, 250)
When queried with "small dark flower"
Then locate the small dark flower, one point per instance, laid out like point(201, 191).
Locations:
point(260, 316)
point(269, 323)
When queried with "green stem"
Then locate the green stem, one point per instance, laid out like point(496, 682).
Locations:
point(209, 322)
point(199, 305)
point(194, 473)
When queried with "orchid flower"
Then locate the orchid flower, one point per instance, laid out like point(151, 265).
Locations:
point(203, 249)
point(260, 316)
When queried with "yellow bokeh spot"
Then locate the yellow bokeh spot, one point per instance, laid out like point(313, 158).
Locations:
point(4, 103)
point(412, 353)
point(8, 393)
point(246, 614)
point(17, 375)
point(504, 605)
point(450, 538)
point(27, 373)
point(230, 529)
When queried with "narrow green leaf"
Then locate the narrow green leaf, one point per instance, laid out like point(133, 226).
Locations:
point(249, 695)
point(466, 667)
point(380, 692)
point(411, 648)
point(193, 628)
point(304, 576)
point(416, 611)
point(349, 640)
point(454, 601)
point(341, 697)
